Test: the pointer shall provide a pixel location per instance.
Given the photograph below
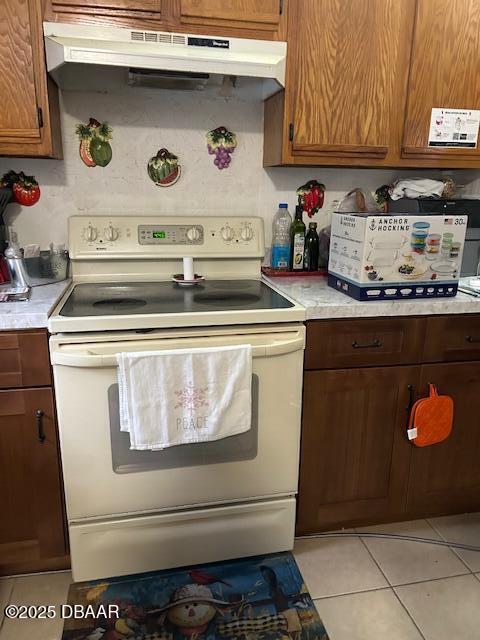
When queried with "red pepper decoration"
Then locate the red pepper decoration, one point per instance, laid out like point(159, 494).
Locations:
point(24, 188)
point(311, 196)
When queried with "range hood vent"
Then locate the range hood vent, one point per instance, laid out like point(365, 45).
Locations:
point(177, 80)
point(158, 36)
point(76, 44)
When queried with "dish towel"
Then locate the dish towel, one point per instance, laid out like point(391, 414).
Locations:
point(184, 396)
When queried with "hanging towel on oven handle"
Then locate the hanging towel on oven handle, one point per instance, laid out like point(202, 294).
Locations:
point(431, 419)
point(184, 396)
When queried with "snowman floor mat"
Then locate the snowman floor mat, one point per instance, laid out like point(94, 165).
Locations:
point(262, 597)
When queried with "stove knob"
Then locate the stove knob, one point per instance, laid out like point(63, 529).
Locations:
point(246, 233)
point(111, 233)
point(228, 233)
point(91, 233)
point(193, 234)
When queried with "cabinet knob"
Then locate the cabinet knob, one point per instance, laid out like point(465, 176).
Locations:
point(246, 233)
point(193, 234)
point(227, 233)
point(111, 234)
point(91, 233)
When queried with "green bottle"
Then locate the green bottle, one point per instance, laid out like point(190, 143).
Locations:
point(311, 248)
point(297, 233)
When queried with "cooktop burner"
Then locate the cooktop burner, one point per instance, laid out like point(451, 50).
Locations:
point(130, 298)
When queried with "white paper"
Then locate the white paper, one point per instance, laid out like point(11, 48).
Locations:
point(454, 128)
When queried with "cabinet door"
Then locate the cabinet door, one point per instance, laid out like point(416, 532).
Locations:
point(354, 453)
point(255, 14)
point(19, 102)
point(32, 524)
point(349, 70)
point(445, 70)
point(445, 477)
point(121, 8)
point(29, 115)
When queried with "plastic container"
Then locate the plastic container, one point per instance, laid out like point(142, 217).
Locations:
point(281, 239)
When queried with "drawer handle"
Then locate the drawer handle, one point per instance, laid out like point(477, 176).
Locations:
point(39, 418)
point(472, 339)
point(375, 343)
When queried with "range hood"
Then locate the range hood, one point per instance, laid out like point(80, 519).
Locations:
point(75, 44)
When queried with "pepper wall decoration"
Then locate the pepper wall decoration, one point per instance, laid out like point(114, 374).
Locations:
point(25, 189)
point(95, 149)
point(311, 196)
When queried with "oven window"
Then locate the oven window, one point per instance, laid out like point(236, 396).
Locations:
point(240, 447)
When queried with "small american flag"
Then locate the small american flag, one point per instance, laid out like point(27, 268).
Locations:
point(448, 221)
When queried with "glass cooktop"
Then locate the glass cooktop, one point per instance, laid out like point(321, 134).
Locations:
point(130, 298)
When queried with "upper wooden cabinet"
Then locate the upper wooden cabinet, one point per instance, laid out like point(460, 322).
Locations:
point(347, 73)
point(363, 76)
point(445, 70)
point(243, 18)
point(29, 123)
point(125, 11)
point(242, 13)
point(349, 61)
point(17, 77)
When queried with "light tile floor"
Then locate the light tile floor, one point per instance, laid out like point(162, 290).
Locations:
point(364, 589)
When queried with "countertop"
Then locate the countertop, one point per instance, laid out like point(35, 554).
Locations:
point(320, 301)
point(34, 313)
point(323, 302)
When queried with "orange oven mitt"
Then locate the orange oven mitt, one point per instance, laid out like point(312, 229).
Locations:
point(431, 419)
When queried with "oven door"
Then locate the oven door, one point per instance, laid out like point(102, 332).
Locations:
point(104, 478)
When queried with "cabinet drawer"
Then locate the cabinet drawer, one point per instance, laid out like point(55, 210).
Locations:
point(450, 338)
point(339, 344)
point(24, 359)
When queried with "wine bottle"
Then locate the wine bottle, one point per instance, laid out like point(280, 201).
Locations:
point(311, 248)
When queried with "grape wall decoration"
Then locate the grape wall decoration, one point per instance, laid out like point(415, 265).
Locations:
point(221, 143)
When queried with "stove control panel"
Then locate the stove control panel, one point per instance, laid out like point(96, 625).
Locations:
point(170, 234)
point(137, 237)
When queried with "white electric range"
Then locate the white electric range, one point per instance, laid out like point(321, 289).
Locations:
point(134, 511)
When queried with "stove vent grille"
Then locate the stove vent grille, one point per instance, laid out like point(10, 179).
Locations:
point(156, 36)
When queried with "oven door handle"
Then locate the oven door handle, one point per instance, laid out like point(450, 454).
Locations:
point(283, 347)
point(96, 360)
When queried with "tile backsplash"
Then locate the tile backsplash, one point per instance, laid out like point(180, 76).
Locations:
point(145, 120)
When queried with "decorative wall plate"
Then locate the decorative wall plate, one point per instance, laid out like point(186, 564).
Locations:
point(311, 196)
point(164, 169)
point(95, 149)
point(221, 143)
point(25, 189)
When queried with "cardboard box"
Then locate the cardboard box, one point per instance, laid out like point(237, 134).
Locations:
point(388, 257)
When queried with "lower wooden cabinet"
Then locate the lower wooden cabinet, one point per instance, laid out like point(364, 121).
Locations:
point(354, 450)
point(32, 535)
point(446, 477)
point(357, 465)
